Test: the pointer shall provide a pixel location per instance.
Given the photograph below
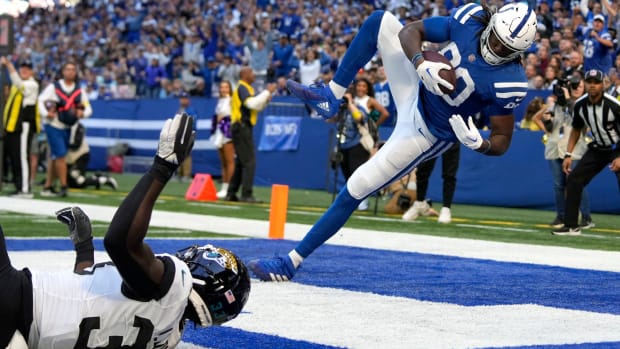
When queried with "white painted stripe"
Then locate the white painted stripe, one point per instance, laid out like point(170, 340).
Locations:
point(374, 321)
point(510, 94)
point(510, 84)
point(498, 251)
point(143, 144)
point(142, 125)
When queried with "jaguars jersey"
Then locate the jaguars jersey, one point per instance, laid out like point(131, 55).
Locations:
point(90, 311)
point(480, 87)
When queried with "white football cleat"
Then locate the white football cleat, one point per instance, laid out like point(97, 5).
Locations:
point(418, 208)
point(445, 216)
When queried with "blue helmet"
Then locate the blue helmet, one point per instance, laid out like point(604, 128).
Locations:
point(221, 283)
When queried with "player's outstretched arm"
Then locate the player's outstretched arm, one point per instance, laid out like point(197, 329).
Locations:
point(142, 272)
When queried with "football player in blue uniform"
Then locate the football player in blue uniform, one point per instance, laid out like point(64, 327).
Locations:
point(484, 49)
point(141, 300)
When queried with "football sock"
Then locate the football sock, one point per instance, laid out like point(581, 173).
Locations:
point(359, 52)
point(338, 90)
point(332, 220)
point(296, 258)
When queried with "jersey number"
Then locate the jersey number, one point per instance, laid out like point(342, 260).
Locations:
point(461, 74)
point(88, 324)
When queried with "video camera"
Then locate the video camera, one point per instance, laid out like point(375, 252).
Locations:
point(570, 83)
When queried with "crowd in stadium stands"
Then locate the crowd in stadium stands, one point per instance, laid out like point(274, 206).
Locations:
point(156, 49)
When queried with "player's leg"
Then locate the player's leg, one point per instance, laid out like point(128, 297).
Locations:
point(449, 165)
point(326, 99)
point(408, 145)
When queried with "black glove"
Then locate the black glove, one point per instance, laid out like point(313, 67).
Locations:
point(78, 222)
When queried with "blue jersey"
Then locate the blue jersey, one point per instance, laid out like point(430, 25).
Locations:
point(480, 87)
point(383, 95)
point(595, 54)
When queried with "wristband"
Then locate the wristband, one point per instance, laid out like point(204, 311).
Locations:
point(416, 58)
point(567, 155)
point(487, 149)
point(356, 114)
point(162, 170)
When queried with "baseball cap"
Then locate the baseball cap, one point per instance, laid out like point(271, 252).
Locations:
point(594, 74)
point(600, 17)
point(25, 63)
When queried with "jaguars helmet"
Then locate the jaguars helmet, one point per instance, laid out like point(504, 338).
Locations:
point(514, 25)
point(221, 283)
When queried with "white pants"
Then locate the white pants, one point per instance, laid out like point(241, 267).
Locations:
point(411, 142)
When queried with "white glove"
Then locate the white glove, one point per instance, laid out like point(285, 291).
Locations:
point(470, 137)
point(429, 74)
point(176, 139)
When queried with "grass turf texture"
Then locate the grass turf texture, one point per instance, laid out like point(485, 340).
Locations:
point(305, 206)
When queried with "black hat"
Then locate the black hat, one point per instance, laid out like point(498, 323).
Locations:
point(595, 75)
point(25, 63)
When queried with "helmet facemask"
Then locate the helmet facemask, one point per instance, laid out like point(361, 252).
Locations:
point(511, 31)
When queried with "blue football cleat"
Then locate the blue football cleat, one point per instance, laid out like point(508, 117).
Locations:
point(320, 98)
point(273, 269)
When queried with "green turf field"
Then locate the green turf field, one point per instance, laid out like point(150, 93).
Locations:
point(305, 206)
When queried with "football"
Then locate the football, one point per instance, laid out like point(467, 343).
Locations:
point(448, 75)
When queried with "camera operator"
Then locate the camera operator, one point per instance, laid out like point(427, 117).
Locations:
point(555, 119)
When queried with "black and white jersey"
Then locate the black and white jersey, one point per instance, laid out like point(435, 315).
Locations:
point(90, 311)
point(602, 118)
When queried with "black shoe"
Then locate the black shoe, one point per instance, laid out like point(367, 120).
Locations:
point(557, 223)
point(250, 200)
point(587, 224)
point(63, 192)
point(567, 231)
point(231, 197)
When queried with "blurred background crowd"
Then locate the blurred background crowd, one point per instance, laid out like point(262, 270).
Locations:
point(156, 49)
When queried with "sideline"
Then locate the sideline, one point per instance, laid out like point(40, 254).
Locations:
point(457, 247)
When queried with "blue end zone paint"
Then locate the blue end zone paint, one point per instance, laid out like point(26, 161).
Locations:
point(434, 278)
point(230, 338)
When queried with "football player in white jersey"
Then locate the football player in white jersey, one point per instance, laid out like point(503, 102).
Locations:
point(484, 49)
point(139, 300)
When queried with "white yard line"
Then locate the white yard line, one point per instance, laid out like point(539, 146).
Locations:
point(498, 251)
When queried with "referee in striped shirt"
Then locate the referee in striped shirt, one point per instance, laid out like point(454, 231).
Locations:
point(601, 113)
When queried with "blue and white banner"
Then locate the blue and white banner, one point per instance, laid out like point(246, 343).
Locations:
point(280, 133)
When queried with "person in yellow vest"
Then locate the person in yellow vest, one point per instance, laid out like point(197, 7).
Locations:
point(21, 122)
point(245, 105)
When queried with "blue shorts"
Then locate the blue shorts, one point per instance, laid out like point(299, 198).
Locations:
point(58, 141)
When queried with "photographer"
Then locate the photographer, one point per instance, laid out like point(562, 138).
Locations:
point(555, 119)
point(61, 105)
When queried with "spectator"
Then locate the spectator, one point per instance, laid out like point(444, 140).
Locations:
point(229, 71)
point(222, 138)
point(599, 112)
point(21, 123)
point(245, 105)
point(282, 52)
point(260, 59)
point(383, 95)
point(63, 104)
point(597, 45)
point(309, 67)
point(154, 74)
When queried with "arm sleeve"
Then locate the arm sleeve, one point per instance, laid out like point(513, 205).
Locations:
point(88, 109)
point(437, 29)
point(258, 102)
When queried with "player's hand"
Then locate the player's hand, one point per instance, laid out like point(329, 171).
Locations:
point(78, 222)
point(176, 139)
point(429, 74)
point(469, 136)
